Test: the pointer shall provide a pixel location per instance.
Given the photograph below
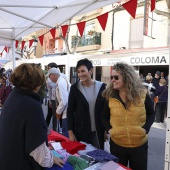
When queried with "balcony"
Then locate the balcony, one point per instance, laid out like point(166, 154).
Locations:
point(87, 42)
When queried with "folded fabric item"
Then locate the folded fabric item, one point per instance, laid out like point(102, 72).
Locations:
point(88, 159)
point(101, 156)
point(66, 166)
point(57, 137)
point(77, 163)
point(88, 148)
point(56, 154)
point(96, 166)
point(64, 153)
point(111, 165)
point(124, 167)
point(73, 147)
point(56, 145)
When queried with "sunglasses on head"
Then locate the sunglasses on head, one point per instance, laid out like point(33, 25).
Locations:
point(116, 77)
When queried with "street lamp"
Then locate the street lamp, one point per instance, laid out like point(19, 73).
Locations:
point(35, 45)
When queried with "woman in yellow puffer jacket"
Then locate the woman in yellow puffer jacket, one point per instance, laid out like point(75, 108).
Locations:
point(128, 115)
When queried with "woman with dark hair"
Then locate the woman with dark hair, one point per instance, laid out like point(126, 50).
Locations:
point(85, 105)
point(128, 115)
point(23, 129)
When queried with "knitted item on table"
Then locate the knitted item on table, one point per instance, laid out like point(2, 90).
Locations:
point(77, 163)
point(101, 156)
point(73, 147)
point(66, 166)
point(57, 137)
point(55, 153)
point(88, 148)
point(64, 153)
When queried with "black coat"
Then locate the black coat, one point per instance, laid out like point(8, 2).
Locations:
point(78, 115)
point(22, 130)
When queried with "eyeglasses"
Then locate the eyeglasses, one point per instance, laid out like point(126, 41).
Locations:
point(116, 77)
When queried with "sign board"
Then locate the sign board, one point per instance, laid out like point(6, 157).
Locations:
point(133, 60)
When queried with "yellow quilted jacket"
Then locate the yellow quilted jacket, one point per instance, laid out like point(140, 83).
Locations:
point(127, 125)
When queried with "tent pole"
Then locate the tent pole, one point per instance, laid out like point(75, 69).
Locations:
point(167, 143)
point(13, 50)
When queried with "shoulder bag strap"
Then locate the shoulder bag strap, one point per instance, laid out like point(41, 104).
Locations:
point(162, 93)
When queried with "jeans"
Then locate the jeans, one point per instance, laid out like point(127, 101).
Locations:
point(52, 113)
point(136, 157)
point(64, 127)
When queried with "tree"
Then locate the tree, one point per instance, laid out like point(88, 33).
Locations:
point(68, 51)
point(164, 13)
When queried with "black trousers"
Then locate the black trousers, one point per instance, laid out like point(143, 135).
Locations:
point(135, 157)
point(160, 110)
point(52, 113)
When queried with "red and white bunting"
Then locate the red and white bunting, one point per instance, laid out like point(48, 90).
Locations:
point(30, 42)
point(16, 43)
point(152, 5)
point(131, 7)
point(103, 20)
point(22, 45)
point(6, 49)
point(52, 31)
point(81, 26)
point(64, 30)
point(41, 39)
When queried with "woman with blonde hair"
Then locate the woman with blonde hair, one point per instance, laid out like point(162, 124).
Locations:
point(128, 115)
point(23, 129)
point(161, 105)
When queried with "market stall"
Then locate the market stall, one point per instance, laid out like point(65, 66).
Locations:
point(81, 155)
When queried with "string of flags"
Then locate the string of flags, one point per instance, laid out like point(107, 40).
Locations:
point(129, 6)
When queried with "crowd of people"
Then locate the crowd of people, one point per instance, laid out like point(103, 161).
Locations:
point(158, 88)
point(86, 111)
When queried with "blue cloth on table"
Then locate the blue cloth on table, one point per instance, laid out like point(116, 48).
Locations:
point(66, 166)
point(56, 154)
point(101, 156)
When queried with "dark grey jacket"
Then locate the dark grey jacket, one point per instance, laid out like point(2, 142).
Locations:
point(78, 115)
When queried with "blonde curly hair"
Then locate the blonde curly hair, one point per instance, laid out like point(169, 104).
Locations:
point(132, 82)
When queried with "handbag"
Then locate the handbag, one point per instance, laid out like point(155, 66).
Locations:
point(156, 99)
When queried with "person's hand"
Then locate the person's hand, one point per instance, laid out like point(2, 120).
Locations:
point(58, 161)
point(71, 136)
point(50, 104)
point(59, 116)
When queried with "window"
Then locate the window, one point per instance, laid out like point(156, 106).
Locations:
point(136, 33)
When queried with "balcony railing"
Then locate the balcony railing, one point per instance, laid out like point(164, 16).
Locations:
point(94, 39)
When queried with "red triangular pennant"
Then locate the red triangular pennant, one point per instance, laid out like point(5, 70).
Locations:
point(81, 26)
point(64, 30)
point(16, 43)
point(52, 31)
point(22, 45)
point(41, 38)
point(130, 7)
point(30, 42)
point(103, 20)
point(152, 5)
point(6, 49)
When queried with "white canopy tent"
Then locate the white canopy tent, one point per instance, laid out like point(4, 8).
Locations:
point(22, 17)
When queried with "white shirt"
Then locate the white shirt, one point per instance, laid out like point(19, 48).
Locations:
point(62, 93)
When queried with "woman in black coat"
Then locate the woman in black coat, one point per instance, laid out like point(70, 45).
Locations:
point(161, 106)
point(85, 106)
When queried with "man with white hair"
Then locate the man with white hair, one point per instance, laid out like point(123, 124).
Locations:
point(62, 93)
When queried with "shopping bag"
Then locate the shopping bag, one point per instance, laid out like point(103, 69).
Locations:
point(107, 146)
point(156, 99)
